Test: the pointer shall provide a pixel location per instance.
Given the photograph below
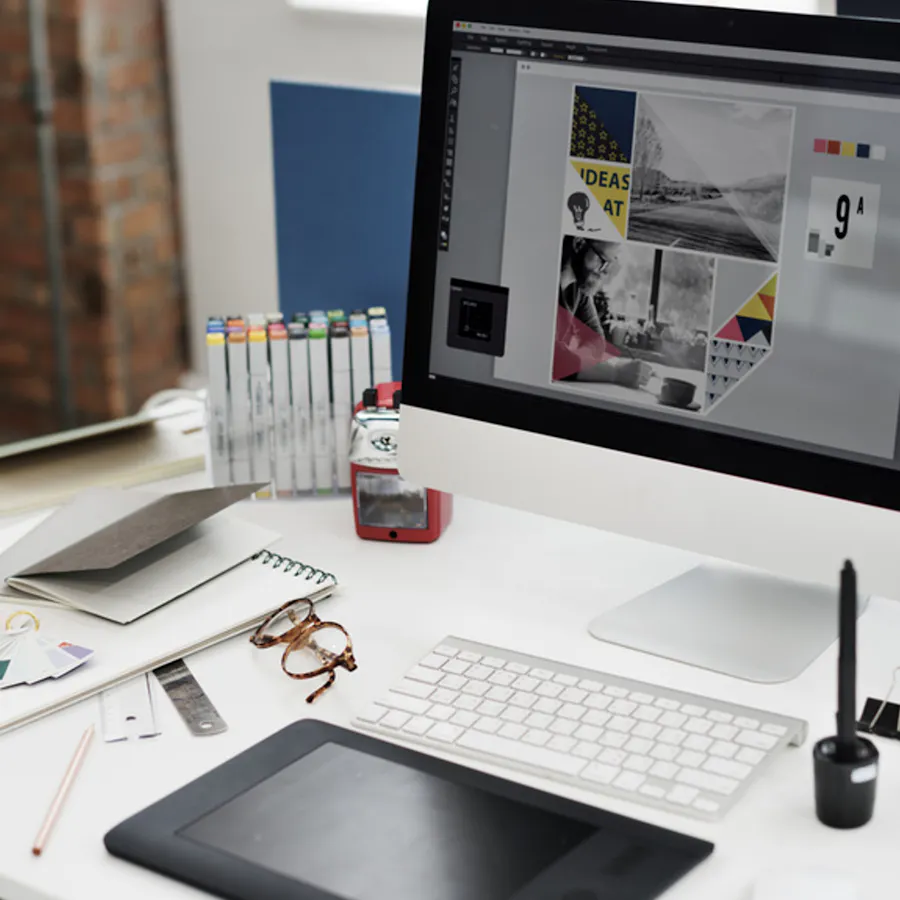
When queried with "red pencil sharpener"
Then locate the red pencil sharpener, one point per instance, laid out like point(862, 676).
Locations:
point(387, 507)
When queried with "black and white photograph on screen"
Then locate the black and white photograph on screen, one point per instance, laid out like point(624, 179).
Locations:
point(710, 175)
point(633, 322)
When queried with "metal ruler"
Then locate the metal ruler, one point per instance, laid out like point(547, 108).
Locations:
point(189, 699)
point(126, 711)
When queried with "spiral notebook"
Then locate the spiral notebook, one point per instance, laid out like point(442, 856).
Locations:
point(229, 604)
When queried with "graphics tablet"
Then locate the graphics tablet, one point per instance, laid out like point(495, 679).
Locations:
point(316, 812)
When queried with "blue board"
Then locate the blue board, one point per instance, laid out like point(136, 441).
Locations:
point(344, 167)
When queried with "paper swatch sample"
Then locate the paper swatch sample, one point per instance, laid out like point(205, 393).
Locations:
point(27, 656)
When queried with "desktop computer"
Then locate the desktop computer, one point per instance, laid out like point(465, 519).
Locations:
point(653, 289)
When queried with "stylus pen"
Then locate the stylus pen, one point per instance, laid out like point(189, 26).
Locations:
point(62, 791)
point(846, 714)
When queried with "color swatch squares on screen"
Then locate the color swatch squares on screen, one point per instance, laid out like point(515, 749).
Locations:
point(850, 148)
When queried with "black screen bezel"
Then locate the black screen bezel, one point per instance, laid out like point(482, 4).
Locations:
point(740, 456)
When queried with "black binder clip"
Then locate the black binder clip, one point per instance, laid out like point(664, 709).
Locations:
point(882, 717)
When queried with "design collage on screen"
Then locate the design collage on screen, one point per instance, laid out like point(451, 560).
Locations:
point(672, 218)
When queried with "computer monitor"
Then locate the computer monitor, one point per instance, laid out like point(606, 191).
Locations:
point(869, 9)
point(654, 289)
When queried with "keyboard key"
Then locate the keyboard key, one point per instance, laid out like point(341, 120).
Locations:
point(671, 736)
point(637, 763)
point(652, 790)
point(565, 680)
point(742, 722)
point(541, 674)
point(452, 682)
point(511, 730)
point(666, 703)
point(408, 704)
point(573, 695)
point(523, 700)
point(600, 773)
point(588, 733)
point(697, 742)
point(517, 668)
point(665, 752)
point(571, 711)
point(597, 701)
point(469, 656)
point(689, 709)
point(706, 781)
point(757, 740)
point(549, 689)
point(488, 724)
point(718, 716)
point(564, 726)
point(394, 719)
point(614, 691)
point(422, 673)
point(727, 767)
point(493, 662)
point(546, 705)
point(585, 750)
point(639, 698)
point(418, 725)
point(682, 795)
point(612, 757)
point(777, 730)
point(538, 720)
point(724, 749)
point(751, 757)
point(622, 707)
point(514, 714)
point(595, 717)
point(705, 805)
point(441, 713)
point(433, 661)
point(672, 720)
point(561, 743)
point(445, 650)
point(444, 696)
point(444, 731)
point(665, 770)
point(613, 739)
point(464, 718)
point(620, 723)
point(691, 758)
point(591, 686)
point(456, 666)
point(536, 737)
point(503, 679)
point(629, 781)
point(723, 732)
point(639, 745)
point(500, 694)
point(476, 688)
point(697, 726)
point(372, 714)
point(466, 701)
point(646, 730)
point(479, 672)
point(541, 757)
point(647, 713)
point(525, 683)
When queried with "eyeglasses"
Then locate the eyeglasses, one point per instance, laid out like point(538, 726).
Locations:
point(314, 647)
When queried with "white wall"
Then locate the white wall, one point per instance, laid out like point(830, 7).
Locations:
point(223, 55)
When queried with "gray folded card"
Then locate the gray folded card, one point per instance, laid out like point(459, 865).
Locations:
point(122, 553)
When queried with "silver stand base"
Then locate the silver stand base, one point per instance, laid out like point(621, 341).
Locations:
point(740, 622)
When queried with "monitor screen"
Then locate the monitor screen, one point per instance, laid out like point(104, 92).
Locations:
point(680, 232)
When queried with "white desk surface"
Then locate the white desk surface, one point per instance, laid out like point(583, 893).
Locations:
point(497, 576)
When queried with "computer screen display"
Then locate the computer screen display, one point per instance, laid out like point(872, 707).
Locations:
point(680, 232)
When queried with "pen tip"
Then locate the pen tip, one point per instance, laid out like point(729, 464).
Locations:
point(848, 566)
point(36, 851)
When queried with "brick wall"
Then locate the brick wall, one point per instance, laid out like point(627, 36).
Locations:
point(124, 301)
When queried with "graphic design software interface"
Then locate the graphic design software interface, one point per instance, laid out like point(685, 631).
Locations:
point(674, 232)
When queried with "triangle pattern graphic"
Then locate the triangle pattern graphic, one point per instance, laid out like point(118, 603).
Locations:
point(768, 301)
point(728, 364)
point(754, 308)
point(731, 331)
point(759, 339)
point(752, 327)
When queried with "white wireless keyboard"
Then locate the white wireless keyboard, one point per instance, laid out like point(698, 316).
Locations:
point(647, 743)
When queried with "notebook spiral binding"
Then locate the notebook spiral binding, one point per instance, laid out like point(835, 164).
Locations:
point(300, 569)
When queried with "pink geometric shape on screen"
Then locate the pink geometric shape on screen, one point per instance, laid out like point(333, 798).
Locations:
point(731, 331)
point(583, 348)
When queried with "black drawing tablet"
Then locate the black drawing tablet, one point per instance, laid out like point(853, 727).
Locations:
point(316, 812)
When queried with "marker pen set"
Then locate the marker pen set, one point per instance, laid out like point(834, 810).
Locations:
point(281, 396)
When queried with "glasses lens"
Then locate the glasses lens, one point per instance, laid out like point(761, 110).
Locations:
point(287, 619)
point(320, 649)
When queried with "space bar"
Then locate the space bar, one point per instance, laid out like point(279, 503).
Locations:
point(522, 753)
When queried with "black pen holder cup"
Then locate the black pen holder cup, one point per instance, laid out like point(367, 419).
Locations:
point(845, 782)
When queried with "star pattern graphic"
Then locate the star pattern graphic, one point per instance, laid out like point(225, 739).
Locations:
point(589, 139)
